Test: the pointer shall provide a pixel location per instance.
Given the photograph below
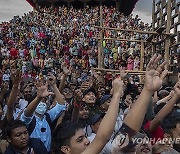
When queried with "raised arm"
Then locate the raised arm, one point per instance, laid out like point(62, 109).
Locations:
point(78, 95)
point(2, 94)
point(108, 123)
point(16, 78)
point(52, 83)
point(66, 71)
point(155, 97)
point(165, 99)
point(166, 109)
point(41, 93)
point(97, 75)
point(4, 87)
point(153, 81)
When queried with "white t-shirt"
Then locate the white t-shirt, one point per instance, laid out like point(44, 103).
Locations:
point(15, 112)
point(23, 104)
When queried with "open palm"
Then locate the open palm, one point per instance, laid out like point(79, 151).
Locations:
point(43, 92)
point(154, 74)
point(15, 76)
point(65, 68)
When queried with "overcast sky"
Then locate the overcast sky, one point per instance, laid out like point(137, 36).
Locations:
point(9, 8)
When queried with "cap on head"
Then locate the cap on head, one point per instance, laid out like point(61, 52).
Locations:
point(89, 90)
point(95, 118)
point(104, 99)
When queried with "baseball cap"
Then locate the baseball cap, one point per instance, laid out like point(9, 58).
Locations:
point(95, 118)
point(104, 99)
point(89, 90)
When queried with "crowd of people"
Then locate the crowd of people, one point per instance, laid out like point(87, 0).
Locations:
point(70, 35)
point(53, 101)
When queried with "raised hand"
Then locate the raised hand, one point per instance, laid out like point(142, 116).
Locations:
point(78, 96)
point(59, 75)
point(117, 87)
point(66, 71)
point(86, 85)
point(154, 74)
point(42, 91)
point(15, 76)
point(172, 93)
point(122, 72)
point(94, 73)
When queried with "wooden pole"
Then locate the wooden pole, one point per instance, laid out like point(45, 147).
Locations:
point(142, 74)
point(142, 57)
point(99, 53)
point(100, 43)
point(167, 40)
point(121, 39)
point(153, 26)
point(127, 71)
point(142, 60)
point(111, 70)
point(131, 30)
point(161, 14)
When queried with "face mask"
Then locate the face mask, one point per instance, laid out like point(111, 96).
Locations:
point(41, 108)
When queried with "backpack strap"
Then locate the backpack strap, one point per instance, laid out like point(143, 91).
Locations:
point(48, 119)
point(31, 126)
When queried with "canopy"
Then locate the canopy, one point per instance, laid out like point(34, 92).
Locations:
point(126, 6)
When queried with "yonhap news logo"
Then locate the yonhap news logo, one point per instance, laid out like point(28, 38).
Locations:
point(157, 141)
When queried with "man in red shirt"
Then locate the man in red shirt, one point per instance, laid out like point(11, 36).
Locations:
point(14, 52)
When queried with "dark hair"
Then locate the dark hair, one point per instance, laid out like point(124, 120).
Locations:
point(169, 124)
point(63, 134)
point(12, 125)
point(89, 90)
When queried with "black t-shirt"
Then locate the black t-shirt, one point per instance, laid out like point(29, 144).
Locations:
point(35, 145)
